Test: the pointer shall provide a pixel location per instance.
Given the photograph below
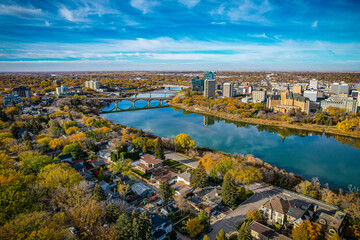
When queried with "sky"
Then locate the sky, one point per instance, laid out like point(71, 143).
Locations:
point(192, 35)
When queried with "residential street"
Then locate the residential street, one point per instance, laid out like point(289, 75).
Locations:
point(181, 159)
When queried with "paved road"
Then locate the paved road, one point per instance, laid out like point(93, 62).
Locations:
point(262, 193)
point(181, 159)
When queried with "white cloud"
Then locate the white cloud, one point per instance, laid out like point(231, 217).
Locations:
point(143, 5)
point(189, 3)
point(315, 24)
point(250, 11)
point(259, 35)
point(19, 11)
point(218, 23)
point(67, 14)
point(47, 24)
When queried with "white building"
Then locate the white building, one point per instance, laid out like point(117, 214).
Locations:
point(259, 96)
point(313, 84)
point(228, 90)
point(94, 85)
point(312, 95)
point(209, 88)
point(339, 88)
point(61, 90)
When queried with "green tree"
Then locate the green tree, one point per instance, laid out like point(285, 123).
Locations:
point(221, 235)
point(184, 142)
point(166, 192)
point(244, 232)
point(200, 176)
point(113, 157)
point(112, 213)
point(34, 162)
point(99, 193)
point(159, 149)
point(74, 149)
point(141, 226)
point(206, 237)
point(69, 124)
point(229, 190)
point(27, 136)
point(253, 215)
point(124, 227)
point(101, 174)
point(204, 218)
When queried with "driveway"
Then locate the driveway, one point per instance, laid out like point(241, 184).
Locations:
point(182, 159)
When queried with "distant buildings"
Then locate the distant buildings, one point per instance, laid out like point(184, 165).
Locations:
point(22, 91)
point(313, 84)
point(11, 99)
point(209, 88)
point(312, 95)
point(57, 82)
point(93, 84)
point(297, 89)
point(349, 103)
point(197, 84)
point(228, 90)
point(259, 96)
point(209, 75)
point(337, 88)
point(63, 90)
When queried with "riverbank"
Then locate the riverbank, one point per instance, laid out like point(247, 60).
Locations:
point(300, 126)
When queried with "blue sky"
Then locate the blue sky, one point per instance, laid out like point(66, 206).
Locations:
point(301, 35)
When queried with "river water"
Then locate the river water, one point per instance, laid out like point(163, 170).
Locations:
point(301, 152)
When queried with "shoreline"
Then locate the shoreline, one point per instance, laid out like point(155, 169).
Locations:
point(274, 123)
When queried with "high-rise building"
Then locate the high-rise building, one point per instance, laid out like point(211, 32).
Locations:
point(313, 84)
point(312, 95)
point(197, 84)
point(297, 89)
point(339, 88)
point(61, 90)
point(209, 88)
point(228, 90)
point(93, 84)
point(22, 91)
point(209, 75)
point(57, 82)
point(259, 96)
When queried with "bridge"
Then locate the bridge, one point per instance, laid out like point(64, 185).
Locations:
point(117, 100)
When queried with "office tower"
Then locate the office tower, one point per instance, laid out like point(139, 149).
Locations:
point(228, 90)
point(209, 88)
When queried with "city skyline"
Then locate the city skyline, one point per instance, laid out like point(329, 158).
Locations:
point(179, 35)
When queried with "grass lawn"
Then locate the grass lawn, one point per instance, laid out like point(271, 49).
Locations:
point(169, 162)
point(138, 172)
point(181, 167)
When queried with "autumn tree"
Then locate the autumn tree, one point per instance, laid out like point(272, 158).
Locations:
point(124, 227)
point(204, 218)
point(253, 215)
point(112, 213)
point(75, 149)
point(141, 225)
point(200, 177)
point(206, 237)
point(194, 227)
point(34, 162)
point(307, 230)
point(166, 192)
point(99, 193)
point(221, 235)
point(229, 190)
point(184, 142)
point(123, 189)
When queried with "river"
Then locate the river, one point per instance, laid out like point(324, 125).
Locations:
point(301, 152)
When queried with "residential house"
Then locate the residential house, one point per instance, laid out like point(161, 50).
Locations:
point(182, 189)
point(210, 198)
point(333, 223)
point(65, 157)
point(261, 232)
point(164, 173)
point(148, 163)
point(160, 226)
point(103, 145)
point(299, 212)
point(168, 209)
point(184, 177)
point(141, 189)
point(276, 209)
point(97, 163)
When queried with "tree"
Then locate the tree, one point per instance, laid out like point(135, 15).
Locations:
point(307, 230)
point(34, 162)
point(173, 235)
point(229, 190)
point(99, 193)
point(12, 111)
point(101, 174)
point(141, 226)
point(206, 237)
point(44, 142)
point(244, 232)
point(123, 189)
point(55, 175)
point(69, 124)
point(204, 218)
point(200, 177)
point(159, 149)
point(193, 227)
point(74, 149)
point(124, 227)
point(335, 237)
point(184, 142)
point(140, 142)
point(246, 174)
point(253, 215)
point(112, 213)
point(166, 192)
point(122, 166)
point(71, 130)
point(27, 136)
point(221, 235)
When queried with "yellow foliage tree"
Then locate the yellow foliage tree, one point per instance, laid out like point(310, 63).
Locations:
point(193, 227)
point(71, 130)
point(307, 230)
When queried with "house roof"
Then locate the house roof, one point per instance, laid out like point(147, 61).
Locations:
point(334, 221)
point(98, 163)
point(186, 176)
point(295, 212)
point(150, 159)
point(261, 229)
point(164, 173)
point(278, 204)
point(157, 220)
point(139, 188)
point(143, 166)
point(65, 156)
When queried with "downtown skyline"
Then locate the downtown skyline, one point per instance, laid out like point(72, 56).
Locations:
point(179, 35)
